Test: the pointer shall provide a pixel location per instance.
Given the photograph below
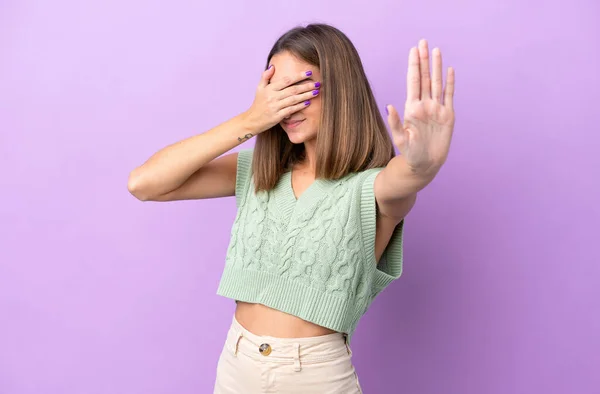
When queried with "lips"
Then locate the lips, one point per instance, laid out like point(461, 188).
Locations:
point(293, 123)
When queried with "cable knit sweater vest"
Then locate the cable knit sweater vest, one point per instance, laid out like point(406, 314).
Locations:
point(312, 257)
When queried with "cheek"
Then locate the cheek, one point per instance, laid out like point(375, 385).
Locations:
point(314, 110)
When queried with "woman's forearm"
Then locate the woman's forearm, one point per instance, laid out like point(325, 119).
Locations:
point(400, 181)
point(171, 166)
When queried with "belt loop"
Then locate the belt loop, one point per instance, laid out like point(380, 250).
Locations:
point(347, 344)
point(237, 342)
point(297, 366)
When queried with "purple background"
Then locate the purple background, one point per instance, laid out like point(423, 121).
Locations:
point(100, 293)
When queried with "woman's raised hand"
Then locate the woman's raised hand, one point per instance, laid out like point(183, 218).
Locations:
point(424, 137)
point(280, 98)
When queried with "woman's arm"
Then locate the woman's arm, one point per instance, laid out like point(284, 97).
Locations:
point(189, 169)
point(424, 138)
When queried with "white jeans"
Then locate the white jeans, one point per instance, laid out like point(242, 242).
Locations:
point(285, 365)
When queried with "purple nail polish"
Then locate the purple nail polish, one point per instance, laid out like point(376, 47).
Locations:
point(315, 92)
point(387, 111)
point(306, 102)
point(270, 67)
point(308, 73)
point(317, 84)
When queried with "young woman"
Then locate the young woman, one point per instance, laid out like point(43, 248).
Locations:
point(321, 203)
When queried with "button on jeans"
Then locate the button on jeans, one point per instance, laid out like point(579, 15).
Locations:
point(252, 364)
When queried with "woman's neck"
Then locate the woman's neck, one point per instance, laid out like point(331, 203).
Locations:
point(309, 162)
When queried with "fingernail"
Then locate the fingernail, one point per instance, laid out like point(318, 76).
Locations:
point(271, 66)
point(306, 102)
point(317, 84)
point(315, 92)
point(387, 111)
point(308, 73)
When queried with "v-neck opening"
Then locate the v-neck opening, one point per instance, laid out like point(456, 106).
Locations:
point(290, 205)
point(286, 199)
point(290, 184)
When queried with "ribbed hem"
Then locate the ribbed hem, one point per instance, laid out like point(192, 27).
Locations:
point(389, 267)
point(243, 175)
point(315, 306)
point(368, 215)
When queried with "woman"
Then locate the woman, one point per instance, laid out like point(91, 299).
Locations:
point(321, 201)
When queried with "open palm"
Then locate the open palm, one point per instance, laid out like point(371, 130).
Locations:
point(424, 137)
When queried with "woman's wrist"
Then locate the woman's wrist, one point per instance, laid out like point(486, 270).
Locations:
point(248, 124)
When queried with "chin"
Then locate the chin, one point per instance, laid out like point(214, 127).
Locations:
point(298, 136)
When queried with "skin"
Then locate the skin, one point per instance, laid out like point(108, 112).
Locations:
point(424, 137)
point(198, 168)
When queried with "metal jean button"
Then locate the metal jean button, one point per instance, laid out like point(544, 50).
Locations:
point(265, 349)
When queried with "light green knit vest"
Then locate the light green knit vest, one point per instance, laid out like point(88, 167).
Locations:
point(312, 257)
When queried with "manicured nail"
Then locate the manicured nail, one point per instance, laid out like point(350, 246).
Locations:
point(315, 92)
point(270, 67)
point(387, 111)
point(308, 73)
point(317, 84)
point(306, 102)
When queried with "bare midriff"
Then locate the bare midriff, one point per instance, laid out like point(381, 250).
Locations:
point(262, 320)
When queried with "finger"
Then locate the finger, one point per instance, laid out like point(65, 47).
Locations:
point(297, 98)
point(288, 80)
point(413, 79)
point(266, 76)
point(424, 67)
point(298, 89)
point(393, 118)
point(436, 78)
point(449, 89)
point(288, 111)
